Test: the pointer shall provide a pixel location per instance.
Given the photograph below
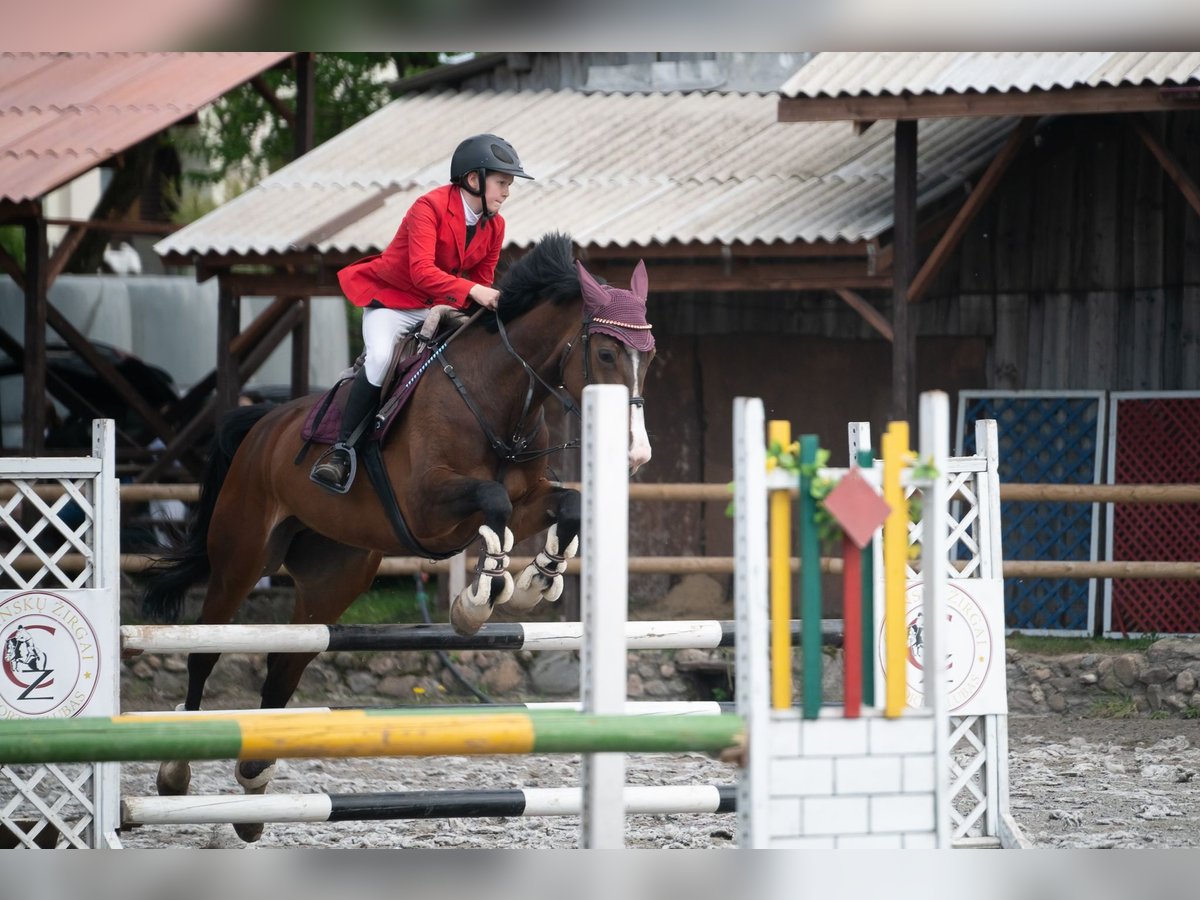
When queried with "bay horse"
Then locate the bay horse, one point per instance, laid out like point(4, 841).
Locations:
point(454, 477)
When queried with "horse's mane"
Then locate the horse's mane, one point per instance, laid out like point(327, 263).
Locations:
point(544, 274)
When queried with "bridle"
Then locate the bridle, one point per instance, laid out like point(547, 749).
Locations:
point(516, 449)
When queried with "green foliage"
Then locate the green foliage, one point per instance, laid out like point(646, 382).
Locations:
point(388, 604)
point(249, 135)
point(1047, 645)
point(12, 241)
point(1114, 706)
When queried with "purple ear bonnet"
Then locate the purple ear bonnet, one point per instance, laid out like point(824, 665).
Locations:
point(615, 312)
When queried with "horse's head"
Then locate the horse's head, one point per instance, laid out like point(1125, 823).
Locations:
point(618, 347)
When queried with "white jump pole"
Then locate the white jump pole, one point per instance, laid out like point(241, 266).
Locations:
point(604, 602)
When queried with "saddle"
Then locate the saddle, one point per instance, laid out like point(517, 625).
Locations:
point(410, 353)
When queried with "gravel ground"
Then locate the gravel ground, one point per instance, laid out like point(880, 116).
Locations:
point(1074, 782)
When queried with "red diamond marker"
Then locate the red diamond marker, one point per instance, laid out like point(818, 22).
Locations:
point(857, 507)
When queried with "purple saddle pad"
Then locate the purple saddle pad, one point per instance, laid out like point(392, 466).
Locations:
point(323, 424)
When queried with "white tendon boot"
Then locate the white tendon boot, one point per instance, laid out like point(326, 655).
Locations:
point(543, 578)
point(473, 606)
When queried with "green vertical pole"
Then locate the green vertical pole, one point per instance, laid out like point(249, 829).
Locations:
point(866, 461)
point(810, 582)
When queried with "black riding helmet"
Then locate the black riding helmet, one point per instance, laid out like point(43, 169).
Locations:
point(484, 153)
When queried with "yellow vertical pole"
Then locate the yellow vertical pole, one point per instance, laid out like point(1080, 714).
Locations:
point(781, 579)
point(895, 555)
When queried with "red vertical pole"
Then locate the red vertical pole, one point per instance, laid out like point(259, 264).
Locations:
point(852, 654)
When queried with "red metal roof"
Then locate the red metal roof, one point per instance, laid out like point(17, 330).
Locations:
point(63, 113)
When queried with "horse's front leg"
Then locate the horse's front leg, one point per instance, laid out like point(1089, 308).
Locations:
point(543, 578)
point(492, 583)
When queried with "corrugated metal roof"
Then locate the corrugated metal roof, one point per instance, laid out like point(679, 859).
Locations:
point(610, 169)
point(855, 74)
point(63, 113)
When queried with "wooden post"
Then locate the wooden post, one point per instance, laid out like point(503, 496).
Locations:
point(33, 416)
point(228, 314)
point(904, 263)
point(301, 339)
point(306, 104)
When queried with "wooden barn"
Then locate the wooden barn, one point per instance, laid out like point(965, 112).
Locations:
point(1035, 210)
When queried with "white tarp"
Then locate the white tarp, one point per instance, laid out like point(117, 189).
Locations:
point(170, 322)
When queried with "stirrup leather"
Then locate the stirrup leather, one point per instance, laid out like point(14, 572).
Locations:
point(343, 488)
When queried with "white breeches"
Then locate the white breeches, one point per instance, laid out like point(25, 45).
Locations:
point(380, 328)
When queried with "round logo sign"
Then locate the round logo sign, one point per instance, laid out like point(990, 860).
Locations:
point(49, 657)
point(966, 639)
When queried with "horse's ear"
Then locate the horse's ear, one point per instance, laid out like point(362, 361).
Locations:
point(591, 287)
point(640, 282)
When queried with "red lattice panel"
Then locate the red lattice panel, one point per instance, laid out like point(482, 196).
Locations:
point(1158, 442)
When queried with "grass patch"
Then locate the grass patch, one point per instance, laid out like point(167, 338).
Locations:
point(1114, 707)
point(390, 603)
point(1061, 646)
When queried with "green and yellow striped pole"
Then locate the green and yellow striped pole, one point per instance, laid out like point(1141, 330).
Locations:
point(358, 733)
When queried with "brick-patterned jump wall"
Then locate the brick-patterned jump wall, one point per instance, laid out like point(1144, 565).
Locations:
point(852, 783)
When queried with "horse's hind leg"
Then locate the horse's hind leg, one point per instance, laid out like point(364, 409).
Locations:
point(239, 557)
point(328, 577)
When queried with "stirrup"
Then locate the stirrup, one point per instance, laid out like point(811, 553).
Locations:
point(328, 485)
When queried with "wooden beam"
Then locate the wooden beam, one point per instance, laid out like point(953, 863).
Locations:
point(63, 253)
point(58, 386)
point(127, 392)
point(744, 276)
point(304, 125)
point(209, 264)
point(1057, 101)
point(204, 419)
point(1169, 162)
point(905, 242)
point(874, 317)
point(33, 415)
point(117, 226)
point(229, 305)
point(12, 268)
point(23, 209)
point(966, 214)
point(301, 341)
point(191, 402)
point(281, 109)
point(790, 250)
point(925, 232)
point(277, 284)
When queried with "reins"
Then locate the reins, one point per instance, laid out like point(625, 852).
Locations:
point(516, 449)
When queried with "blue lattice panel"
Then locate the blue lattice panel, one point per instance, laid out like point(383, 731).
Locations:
point(1045, 438)
point(1155, 440)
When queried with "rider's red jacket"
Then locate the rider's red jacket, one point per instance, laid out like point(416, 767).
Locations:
point(425, 264)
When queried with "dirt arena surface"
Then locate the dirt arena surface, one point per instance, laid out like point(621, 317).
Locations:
point(1074, 783)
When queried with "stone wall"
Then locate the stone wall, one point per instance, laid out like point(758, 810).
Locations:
point(1162, 680)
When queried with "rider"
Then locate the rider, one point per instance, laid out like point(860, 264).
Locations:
point(445, 252)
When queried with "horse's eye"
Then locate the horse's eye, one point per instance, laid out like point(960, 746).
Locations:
point(607, 356)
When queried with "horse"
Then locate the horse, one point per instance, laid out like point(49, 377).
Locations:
point(455, 480)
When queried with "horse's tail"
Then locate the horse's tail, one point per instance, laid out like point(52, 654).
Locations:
point(185, 562)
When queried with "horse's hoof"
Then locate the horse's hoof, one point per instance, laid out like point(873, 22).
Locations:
point(466, 617)
point(250, 832)
point(174, 779)
point(532, 587)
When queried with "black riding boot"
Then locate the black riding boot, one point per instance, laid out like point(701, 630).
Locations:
point(333, 470)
